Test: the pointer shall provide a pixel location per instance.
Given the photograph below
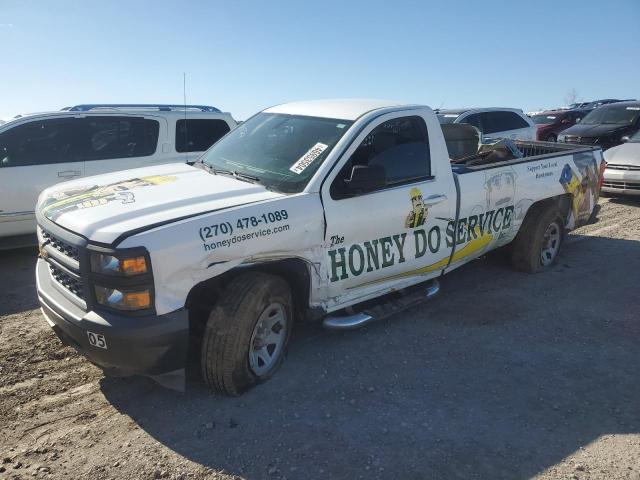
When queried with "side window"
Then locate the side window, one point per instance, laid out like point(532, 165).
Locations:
point(119, 137)
point(400, 145)
point(493, 122)
point(41, 142)
point(513, 120)
point(473, 119)
point(198, 135)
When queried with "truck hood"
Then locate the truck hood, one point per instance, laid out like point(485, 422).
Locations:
point(625, 154)
point(104, 207)
point(583, 130)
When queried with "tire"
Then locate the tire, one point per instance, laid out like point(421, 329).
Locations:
point(232, 332)
point(543, 225)
point(552, 138)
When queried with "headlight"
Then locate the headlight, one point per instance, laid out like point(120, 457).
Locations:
point(123, 300)
point(111, 265)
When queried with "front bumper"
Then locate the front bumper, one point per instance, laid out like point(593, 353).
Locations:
point(152, 345)
point(621, 181)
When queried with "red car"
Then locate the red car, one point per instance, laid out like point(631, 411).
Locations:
point(551, 123)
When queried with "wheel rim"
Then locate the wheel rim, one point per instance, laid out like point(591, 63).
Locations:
point(550, 244)
point(551, 138)
point(267, 339)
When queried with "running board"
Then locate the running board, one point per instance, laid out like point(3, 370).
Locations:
point(380, 311)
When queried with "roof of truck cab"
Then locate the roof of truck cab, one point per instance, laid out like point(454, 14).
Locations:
point(344, 109)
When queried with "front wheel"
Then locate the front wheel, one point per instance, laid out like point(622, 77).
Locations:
point(538, 243)
point(552, 138)
point(247, 333)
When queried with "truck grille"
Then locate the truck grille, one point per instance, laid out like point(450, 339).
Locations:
point(613, 166)
point(60, 245)
point(621, 185)
point(66, 280)
point(64, 262)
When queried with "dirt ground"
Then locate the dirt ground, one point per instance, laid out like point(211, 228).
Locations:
point(504, 375)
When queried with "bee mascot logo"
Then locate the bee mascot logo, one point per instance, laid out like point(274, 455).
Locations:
point(418, 214)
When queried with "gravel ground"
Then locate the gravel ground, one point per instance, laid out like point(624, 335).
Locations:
point(504, 375)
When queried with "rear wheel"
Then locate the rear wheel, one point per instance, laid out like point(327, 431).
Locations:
point(538, 243)
point(247, 333)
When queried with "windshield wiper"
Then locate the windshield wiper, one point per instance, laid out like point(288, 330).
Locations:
point(232, 173)
point(245, 176)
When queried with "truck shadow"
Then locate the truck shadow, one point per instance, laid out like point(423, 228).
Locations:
point(502, 376)
point(17, 275)
point(625, 200)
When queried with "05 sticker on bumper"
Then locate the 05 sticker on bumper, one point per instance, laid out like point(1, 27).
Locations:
point(97, 340)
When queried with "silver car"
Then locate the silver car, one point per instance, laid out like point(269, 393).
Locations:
point(622, 174)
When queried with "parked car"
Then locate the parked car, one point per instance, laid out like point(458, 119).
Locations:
point(622, 173)
point(606, 126)
point(578, 106)
point(550, 123)
point(599, 103)
point(493, 123)
point(39, 150)
point(309, 211)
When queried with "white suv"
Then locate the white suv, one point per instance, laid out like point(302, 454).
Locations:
point(39, 150)
point(494, 123)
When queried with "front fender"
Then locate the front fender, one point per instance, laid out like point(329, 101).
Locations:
point(188, 252)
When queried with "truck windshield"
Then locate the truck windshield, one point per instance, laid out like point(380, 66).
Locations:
point(282, 152)
point(615, 115)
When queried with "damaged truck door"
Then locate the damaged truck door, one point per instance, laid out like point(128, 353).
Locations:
point(383, 235)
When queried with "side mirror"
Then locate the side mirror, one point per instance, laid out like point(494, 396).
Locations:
point(366, 178)
point(624, 138)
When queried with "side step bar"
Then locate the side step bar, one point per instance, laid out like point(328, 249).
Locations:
point(378, 312)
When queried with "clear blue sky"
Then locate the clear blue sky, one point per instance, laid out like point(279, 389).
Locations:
point(247, 55)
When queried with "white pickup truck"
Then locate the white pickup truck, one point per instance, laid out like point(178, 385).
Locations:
point(307, 211)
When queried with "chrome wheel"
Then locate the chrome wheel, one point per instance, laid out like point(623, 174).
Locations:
point(550, 244)
point(268, 339)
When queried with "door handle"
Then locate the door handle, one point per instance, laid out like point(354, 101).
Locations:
point(69, 173)
point(434, 200)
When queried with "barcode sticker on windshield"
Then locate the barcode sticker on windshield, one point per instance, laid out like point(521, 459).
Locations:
point(308, 158)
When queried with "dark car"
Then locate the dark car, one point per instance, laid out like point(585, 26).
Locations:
point(606, 126)
point(578, 106)
point(550, 123)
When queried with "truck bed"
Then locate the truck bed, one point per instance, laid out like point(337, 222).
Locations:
point(467, 153)
point(493, 156)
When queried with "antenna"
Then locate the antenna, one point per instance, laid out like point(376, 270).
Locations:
point(184, 99)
